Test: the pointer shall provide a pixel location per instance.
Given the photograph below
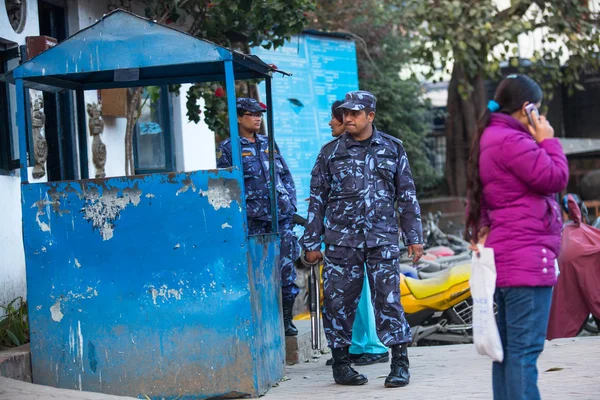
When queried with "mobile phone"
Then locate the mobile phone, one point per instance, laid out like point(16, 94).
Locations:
point(529, 109)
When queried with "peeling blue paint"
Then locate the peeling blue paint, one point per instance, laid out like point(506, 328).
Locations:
point(170, 305)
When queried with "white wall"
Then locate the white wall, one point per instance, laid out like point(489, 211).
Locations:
point(194, 143)
point(114, 139)
point(12, 258)
point(31, 27)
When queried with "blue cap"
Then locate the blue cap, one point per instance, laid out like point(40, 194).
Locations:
point(250, 105)
point(359, 100)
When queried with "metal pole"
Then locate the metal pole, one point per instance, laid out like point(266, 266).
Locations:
point(84, 172)
point(22, 129)
point(236, 157)
point(273, 194)
point(314, 294)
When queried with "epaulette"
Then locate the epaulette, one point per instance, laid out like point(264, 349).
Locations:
point(225, 142)
point(392, 138)
point(330, 142)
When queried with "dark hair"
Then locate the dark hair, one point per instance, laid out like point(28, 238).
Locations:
point(511, 94)
point(241, 112)
point(337, 113)
point(368, 110)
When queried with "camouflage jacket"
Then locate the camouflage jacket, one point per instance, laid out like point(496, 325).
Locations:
point(355, 191)
point(255, 160)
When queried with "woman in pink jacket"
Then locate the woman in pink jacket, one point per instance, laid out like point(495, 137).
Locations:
point(515, 169)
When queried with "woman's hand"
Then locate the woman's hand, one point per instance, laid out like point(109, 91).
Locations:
point(482, 235)
point(541, 129)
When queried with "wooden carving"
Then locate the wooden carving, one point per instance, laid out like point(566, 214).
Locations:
point(96, 126)
point(40, 146)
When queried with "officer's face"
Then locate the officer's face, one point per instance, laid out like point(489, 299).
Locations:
point(250, 121)
point(356, 121)
point(337, 127)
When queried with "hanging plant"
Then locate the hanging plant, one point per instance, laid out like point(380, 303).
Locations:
point(215, 104)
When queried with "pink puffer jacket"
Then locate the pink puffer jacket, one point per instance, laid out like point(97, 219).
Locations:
point(520, 179)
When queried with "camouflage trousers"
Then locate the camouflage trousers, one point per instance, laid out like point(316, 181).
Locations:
point(289, 252)
point(343, 275)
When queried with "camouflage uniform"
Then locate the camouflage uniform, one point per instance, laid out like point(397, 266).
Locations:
point(354, 191)
point(255, 161)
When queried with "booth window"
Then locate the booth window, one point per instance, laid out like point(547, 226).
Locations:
point(9, 140)
point(153, 132)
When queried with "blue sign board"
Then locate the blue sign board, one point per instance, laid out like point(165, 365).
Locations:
point(323, 70)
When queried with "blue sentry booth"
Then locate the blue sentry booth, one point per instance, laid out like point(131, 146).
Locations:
point(148, 285)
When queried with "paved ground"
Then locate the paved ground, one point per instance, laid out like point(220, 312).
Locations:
point(568, 370)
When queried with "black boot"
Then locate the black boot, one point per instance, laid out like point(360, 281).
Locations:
point(399, 375)
point(288, 324)
point(343, 374)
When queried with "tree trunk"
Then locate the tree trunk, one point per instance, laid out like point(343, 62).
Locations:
point(461, 127)
point(133, 113)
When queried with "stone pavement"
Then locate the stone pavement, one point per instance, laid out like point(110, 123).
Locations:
point(568, 370)
point(11, 389)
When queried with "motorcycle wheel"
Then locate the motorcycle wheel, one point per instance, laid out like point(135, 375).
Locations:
point(592, 324)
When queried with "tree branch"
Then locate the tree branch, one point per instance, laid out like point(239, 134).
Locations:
point(519, 8)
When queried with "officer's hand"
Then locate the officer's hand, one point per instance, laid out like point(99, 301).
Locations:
point(313, 257)
point(415, 251)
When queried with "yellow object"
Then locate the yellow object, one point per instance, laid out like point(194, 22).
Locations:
point(423, 288)
point(438, 293)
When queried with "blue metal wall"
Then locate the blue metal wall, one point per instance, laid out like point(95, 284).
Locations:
point(148, 286)
point(266, 285)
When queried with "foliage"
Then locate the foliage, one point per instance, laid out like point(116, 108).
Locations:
point(215, 104)
point(479, 36)
point(14, 327)
point(228, 23)
point(240, 25)
point(382, 52)
point(470, 40)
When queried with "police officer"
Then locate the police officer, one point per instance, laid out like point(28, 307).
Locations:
point(366, 348)
point(255, 160)
point(360, 181)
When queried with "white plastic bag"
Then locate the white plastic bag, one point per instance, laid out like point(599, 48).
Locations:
point(483, 285)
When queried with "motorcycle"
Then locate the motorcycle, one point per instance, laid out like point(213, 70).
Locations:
point(435, 237)
point(439, 309)
point(591, 323)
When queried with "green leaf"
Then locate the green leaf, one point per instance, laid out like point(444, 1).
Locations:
point(13, 338)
